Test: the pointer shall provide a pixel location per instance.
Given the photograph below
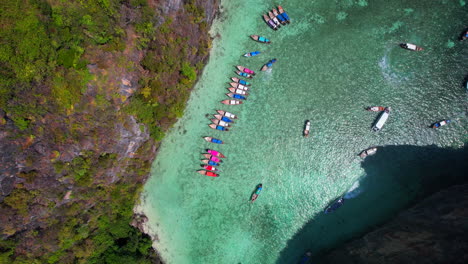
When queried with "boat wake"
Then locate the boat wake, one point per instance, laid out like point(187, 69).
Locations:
point(354, 191)
point(386, 69)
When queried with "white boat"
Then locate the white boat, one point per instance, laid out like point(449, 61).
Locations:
point(239, 86)
point(307, 129)
point(238, 91)
point(227, 114)
point(220, 122)
point(410, 46)
point(382, 119)
point(368, 152)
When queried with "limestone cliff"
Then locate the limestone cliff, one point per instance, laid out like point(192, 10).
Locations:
point(87, 90)
point(433, 231)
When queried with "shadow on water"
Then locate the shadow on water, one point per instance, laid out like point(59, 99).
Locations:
point(396, 178)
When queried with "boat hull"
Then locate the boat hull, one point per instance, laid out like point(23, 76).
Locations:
point(227, 114)
point(368, 152)
point(238, 91)
point(260, 39)
point(240, 81)
point(382, 119)
point(231, 102)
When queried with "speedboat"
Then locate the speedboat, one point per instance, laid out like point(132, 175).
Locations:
point(231, 102)
point(368, 152)
point(238, 91)
point(221, 128)
point(220, 122)
point(260, 39)
point(239, 86)
point(410, 46)
point(279, 16)
point(240, 81)
point(335, 205)
point(227, 114)
point(208, 173)
point(281, 11)
point(223, 118)
point(273, 17)
point(252, 54)
point(243, 74)
point(209, 162)
point(382, 119)
point(236, 96)
point(440, 123)
point(212, 158)
point(270, 22)
point(268, 65)
point(213, 140)
point(246, 70)
point(210, 168)
point(375, 108)
point(215, 153)
point(256, 193)
point(307, 128)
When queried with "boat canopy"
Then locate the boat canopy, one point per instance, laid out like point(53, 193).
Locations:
point(382, 119)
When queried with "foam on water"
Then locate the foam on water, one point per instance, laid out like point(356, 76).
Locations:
point(334, 59)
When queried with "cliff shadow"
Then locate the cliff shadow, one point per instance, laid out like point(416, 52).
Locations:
point(396, 178)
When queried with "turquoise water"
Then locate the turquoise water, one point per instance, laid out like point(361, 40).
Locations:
point(334, 59)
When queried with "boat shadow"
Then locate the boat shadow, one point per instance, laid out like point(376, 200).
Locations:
point(396, 178)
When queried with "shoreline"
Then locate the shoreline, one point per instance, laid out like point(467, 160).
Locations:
point(140, 218)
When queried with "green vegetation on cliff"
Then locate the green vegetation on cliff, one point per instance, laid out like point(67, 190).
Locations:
point(71, 75)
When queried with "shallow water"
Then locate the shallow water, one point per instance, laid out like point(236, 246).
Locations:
point(334, 59)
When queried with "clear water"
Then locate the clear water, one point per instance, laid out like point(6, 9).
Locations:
point(334, 59)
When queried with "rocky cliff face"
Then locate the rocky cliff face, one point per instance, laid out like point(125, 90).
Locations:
point(433, 231)
point(73, 159)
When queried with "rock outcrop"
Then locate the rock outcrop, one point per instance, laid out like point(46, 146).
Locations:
point(433, 231)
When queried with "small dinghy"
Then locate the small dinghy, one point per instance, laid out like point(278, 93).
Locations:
point(209, 168)
point(220, 122)
point(307, 129)
point(279, 16)
point(209, 162)
point(260, 39)
point(281, 11)
point(231, 102)
point(368, 152)
point(239, 86)
point(268, 65)
point(237, 91)
point(212, 158)
point(382, 119)
point(240, 81)
point(440, 123)
point(270, 22)
point(207, 173)
point(256, 193)
point(334, 206)
point(223, 118)
point(375, 108)
point(243, 74)
point(252, 54)
point(215, 153)
point(246, 70)
point(409, 46)
point(227, 114)
point(273, 17)
point(213, 140)
point(220, 128)
point(236, 96)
